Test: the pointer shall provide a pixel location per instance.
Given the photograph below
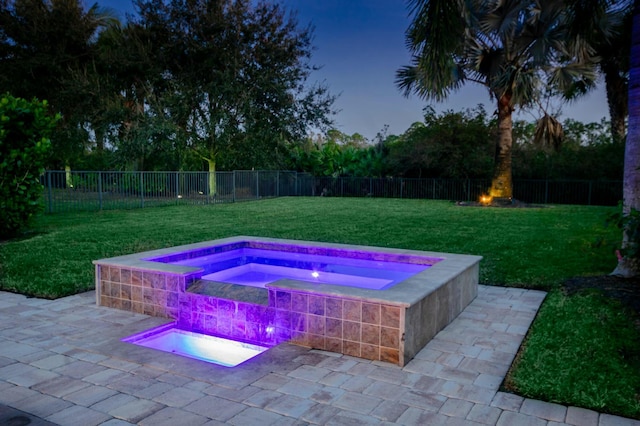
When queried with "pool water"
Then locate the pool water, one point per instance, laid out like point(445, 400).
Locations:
point(217, 350)
point(258, 267)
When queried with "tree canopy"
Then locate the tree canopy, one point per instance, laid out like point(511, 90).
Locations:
point(220, 81)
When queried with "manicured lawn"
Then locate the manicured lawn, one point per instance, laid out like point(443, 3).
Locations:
point(582, 350)
point(532, 248)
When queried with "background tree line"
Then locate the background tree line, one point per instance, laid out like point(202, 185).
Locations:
point(461, 144)
point(182, 85)
point(225, 84)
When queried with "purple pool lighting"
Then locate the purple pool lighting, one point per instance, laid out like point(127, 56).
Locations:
point(217, 350)
point(377, 303)
point(257, 267)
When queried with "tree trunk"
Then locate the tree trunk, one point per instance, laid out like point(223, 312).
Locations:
point(212, 177)
point(617, 99)
point(67, 174)
point(630, 266)
point(100, 137)
point(502, 184)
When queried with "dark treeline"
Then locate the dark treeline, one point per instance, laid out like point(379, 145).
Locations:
point(462, 145)
point(223, 85)
point(183, 85)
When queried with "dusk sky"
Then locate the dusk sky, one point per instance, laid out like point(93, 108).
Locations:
point(360, 44)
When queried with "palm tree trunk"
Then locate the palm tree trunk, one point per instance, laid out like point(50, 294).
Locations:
point(617, 98)
point(502, 183)
point(629, 266)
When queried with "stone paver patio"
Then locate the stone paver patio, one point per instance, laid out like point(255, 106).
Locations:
point(62, 362)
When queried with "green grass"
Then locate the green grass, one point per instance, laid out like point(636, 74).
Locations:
point(582, 350)
point(532, 248)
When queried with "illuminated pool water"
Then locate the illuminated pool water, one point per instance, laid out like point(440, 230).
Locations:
point(258, 267)
point(382, 304)
point(217, 350)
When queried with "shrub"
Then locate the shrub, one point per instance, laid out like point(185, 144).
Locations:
point(24, 146)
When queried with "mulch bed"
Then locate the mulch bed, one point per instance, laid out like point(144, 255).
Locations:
point(626, 290)
point(510, 204)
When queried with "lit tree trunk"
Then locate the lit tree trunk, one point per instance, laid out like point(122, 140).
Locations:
point(630, 266)
point(212, 176)
point(67, 174)
point(502, 184)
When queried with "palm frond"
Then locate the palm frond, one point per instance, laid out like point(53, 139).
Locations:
point(549, 133)
point(435, 83)
point(436, 26)
point(572, 76)
point(503, 17)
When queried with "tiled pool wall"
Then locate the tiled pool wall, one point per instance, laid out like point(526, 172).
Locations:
point(351, 252)
point(349, 321)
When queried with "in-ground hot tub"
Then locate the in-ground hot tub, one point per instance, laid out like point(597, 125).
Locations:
point(375, 303)
point(257, 267)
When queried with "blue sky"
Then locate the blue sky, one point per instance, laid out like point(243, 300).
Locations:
point(360, 44)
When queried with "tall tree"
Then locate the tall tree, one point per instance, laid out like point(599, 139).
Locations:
point(237, 74)
point(629, 264)
point(133, 100)
point(44, 46)
point(614, 64)
point(512, 47)
point(450, 145)
point(606, 26)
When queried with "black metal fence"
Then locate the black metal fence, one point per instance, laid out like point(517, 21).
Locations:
point(101, 190)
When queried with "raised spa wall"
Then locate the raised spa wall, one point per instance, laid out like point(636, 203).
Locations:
point(387, 325)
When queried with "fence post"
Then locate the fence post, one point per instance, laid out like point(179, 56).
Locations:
point(208, 193)
point(546, 191)
point(234, 186)
point(99, 190)
point(49, 192)
point(278, 184)
point(142, 189)
point(177, 187)
point(590, 189)
point(257, 184)
point(468, 189)
point(370, 187)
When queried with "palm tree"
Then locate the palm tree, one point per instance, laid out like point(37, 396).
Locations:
point(514, 48)
point(614, 65)
point(629, 264)
point(606, 25)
